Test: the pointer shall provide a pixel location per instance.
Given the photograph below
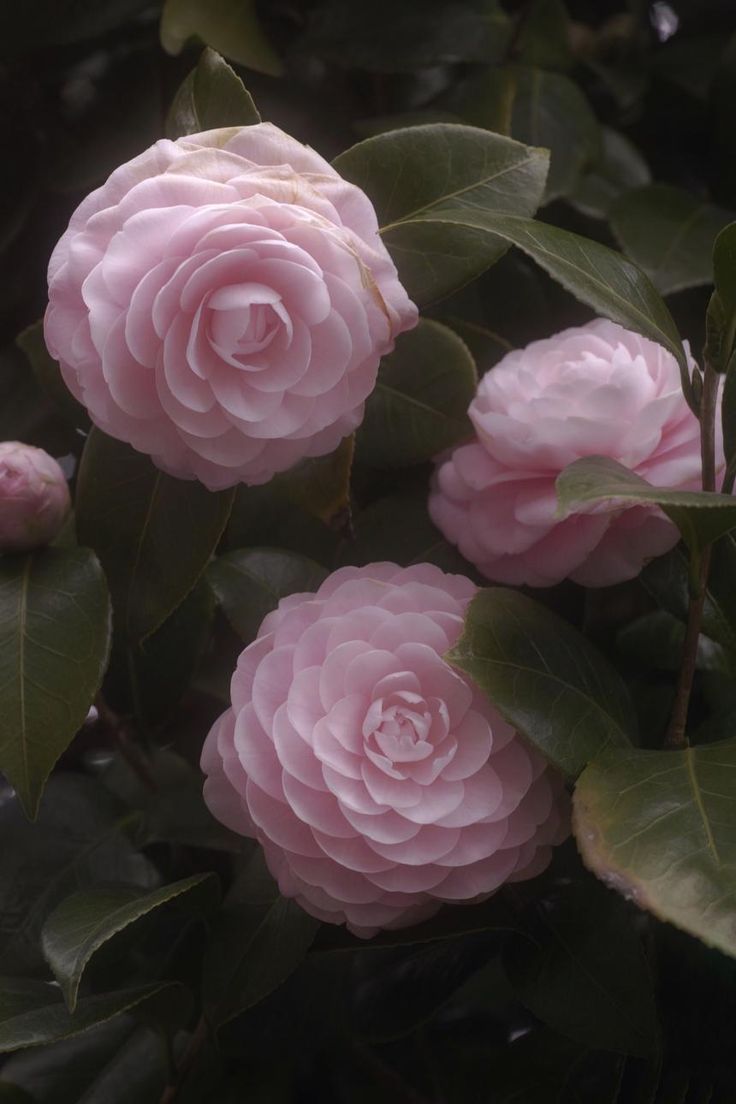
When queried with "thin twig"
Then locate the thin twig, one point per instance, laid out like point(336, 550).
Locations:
point(128, 748)
point(188, 1058)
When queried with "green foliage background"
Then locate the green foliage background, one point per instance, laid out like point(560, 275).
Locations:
point(180, 974)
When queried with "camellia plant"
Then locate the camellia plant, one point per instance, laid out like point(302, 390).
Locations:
point(367, 630)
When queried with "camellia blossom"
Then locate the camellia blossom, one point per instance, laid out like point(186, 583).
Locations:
point(596, 390)
point(34, 497)
point(222, 303)
point(379, 780)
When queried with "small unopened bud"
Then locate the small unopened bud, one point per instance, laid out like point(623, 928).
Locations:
point(34, 497)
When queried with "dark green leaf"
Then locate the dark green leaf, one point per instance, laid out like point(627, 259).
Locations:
point(171, 806)
point(46, 370)
point(619, 169)
point(77, 842)
point(321, 487)
point(82, 923)
point(544, 677)
point(669, 233)
point(54, 644)
point(544, 37)
point(579, 965)
point(419, 406)
point(657, 640)
point(399, 529)
point(231, 27)
point(701, 516)
point(540, 109)
point(148, 679)
point(596, 275)
point(212, 96)
point(258, 939)
point(660, 827)
point(33, 1013)
point(251, 583)
point(264, 517)
point(666, 579)
point(153, 534)
point(433, 187)
point(721, 317)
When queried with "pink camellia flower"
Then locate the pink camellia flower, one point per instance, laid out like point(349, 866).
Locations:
point(34, 497)
point(222, 303)
point(379, 780)
point(594, 390)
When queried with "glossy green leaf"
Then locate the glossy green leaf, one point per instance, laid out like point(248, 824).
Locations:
point(619, 169)
point(263, 518)
point(433, 188)
point(596, 275)
point(257, 940)
point(33, 1013)
point(84, 922)
point(669, 233)
point(250, 583)
point(578, 963)
point(154, 534)
point(321, 487)
point(544, 677)
point(721, 316)
point(701, 516)
point(79, 840)
point(212, 96)
point(231, 27)
point(47, 372)
point(660, 827)
point(540, 109)
point(54, 645)
point(420, 402)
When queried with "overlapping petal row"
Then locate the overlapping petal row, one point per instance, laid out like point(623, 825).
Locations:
point(379, 780)
point(598, 390)
point(222, 303)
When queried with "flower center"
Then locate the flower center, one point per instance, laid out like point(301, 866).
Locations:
point(399, 727)
point(245, 318)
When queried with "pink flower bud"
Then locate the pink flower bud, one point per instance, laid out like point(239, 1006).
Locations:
point(34, 497)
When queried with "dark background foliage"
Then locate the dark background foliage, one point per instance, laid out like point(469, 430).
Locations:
point(556, 991)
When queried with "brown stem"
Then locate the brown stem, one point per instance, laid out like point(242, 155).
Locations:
point(676, 732)
point(188, 1058)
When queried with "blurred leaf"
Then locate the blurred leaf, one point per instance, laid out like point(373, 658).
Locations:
point(434, 187)
point(11, 1094)
point(33, 1013)
point(321, 486)
point(399, 529)
point(420, 402)
point(257, 940)
point(578, 964)
point(701, 516)
point(26, 412)
point(54, 645)
point(212, 96)
point(544, 38)
point(251, 583)
point(544, 677)
point(78, 841)
point(231, 27)
point(147, 680)
point(619, 169)
point(540, 109)
point(689, 62)
point(82, 923)
point(660, 827)
point(46, 371)
point(385, 38)
point(669, 234)
point(153, 534)
point(172, 806)
point(56, 22)
point(657, 640)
